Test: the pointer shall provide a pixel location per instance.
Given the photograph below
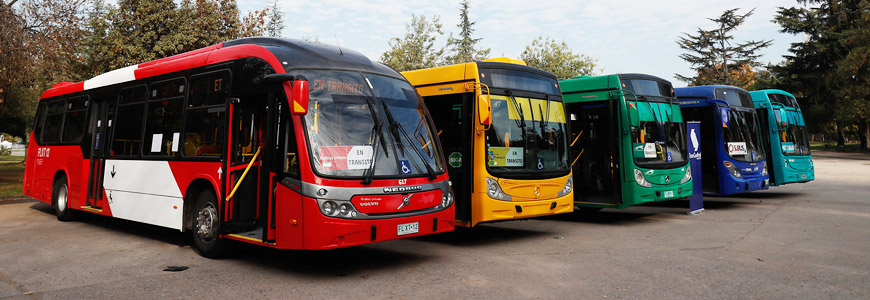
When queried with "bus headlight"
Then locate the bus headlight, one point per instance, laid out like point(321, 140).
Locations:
point(328, 208)
point(337, 209)
point(569, 185)
point(732, 169)
point(447, 199)
point(688, 175)
point(640, 179)
point(764, 170)
point(494, 190)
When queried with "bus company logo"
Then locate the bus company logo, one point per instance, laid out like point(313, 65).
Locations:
point(402, 189)
point(445, 89)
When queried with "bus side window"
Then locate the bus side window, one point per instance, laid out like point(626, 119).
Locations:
point(38, 122)
point(53, 122)
point(163, 121)
point(76, 117)
point(206, 114)
point(127, 137)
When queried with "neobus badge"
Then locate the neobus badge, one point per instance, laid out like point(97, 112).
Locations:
point(401, 189)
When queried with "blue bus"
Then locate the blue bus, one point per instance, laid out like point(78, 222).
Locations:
point(785, 139)
point(733, 158)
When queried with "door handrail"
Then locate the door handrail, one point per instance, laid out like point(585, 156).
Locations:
point(254, 159)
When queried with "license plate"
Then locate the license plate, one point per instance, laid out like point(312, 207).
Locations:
point(407, 228)
point(669, 194)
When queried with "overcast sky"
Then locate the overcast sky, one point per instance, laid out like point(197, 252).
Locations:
point(623, 36)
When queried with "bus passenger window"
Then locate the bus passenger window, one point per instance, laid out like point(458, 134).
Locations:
point(127, 138)
point(76, 117)
point(53, 122)
point(206, 115)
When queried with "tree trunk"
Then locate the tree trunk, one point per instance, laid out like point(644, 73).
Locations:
point(864, 129)
point(841, 136)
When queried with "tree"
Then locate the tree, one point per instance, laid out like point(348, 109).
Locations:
point(829, 69)
point(463, 48)
point(275, 22)
point(416, 50)
point(38, 46)
point(547, 54)
point(715, 59)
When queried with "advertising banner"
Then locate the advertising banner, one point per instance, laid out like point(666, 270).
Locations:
point(696, 201)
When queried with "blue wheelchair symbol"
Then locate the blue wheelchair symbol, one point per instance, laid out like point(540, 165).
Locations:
point(405, 166)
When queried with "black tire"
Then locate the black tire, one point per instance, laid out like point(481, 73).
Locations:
point(206, 226)
point(60, 201)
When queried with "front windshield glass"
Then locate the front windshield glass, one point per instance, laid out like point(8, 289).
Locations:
point(794, 139)
point(526, 134)
point(348, 125)
point(660, 139)
point(742, 136)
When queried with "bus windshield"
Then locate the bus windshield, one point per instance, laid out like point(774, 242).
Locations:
point(794, 139)
point(358, 122)
point(742, 139)
point(527, 134)
point(660, 140)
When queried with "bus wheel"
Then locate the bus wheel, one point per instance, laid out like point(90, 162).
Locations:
point(60, 201)
point(206, 227)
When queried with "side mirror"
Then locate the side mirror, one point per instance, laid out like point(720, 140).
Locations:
point(299, 97)
point(484, 111)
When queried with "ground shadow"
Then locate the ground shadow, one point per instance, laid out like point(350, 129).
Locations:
point(338, 262)
point(617, 217)
point(482, 235)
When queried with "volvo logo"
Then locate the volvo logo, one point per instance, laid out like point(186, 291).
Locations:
point(405, 201)
point(667, 178)
point(537, 191)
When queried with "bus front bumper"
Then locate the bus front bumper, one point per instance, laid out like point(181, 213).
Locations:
point(488, 209)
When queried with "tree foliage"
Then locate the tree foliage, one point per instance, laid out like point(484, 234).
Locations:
point(547, 54)
point(830, 69)
point(416, 49)
point(715, 59)
point(275, 22)
point(463, 49)
point(38, 46)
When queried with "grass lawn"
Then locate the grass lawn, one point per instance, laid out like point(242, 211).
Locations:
point(11, 174)
point(850, 147)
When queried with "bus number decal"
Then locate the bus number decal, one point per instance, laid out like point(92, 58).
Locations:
point(43, 152)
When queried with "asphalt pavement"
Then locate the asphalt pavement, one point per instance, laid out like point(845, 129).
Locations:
point(807, 241)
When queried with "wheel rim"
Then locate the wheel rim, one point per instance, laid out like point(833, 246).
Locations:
point(206, 223)
point(62, 198)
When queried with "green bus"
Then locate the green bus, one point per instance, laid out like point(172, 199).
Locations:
point(628, 141)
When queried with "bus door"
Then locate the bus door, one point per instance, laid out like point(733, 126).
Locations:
point(101, 123)
point(594, 150)
point(247, 177)
point(452, 117)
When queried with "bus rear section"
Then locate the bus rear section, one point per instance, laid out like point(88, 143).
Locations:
point(628, 141)
point(503, 128)
point(733, 157)
point(786, 140)
point(223, 142)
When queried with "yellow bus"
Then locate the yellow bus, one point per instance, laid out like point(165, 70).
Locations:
point(502, 126)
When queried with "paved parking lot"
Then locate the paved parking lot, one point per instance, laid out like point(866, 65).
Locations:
point(807, 241)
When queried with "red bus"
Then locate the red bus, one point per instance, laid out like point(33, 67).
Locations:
point(276, 142)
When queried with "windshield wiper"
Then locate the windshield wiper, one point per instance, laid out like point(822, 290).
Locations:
point(377, 137)
point(397, 127)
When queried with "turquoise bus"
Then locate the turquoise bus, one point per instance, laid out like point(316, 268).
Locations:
point(789, 159)
point(628, 141)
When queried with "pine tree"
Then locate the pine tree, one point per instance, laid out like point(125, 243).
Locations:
point(715, 59)
point(275, 22)
point(546, 54)
point(830, 69)
point(463, 48)
point(416, 50)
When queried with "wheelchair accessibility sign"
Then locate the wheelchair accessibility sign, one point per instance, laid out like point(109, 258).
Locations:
point(405, 166)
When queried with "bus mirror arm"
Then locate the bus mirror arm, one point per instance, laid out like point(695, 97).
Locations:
point(297, 90)
point(720, 101)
